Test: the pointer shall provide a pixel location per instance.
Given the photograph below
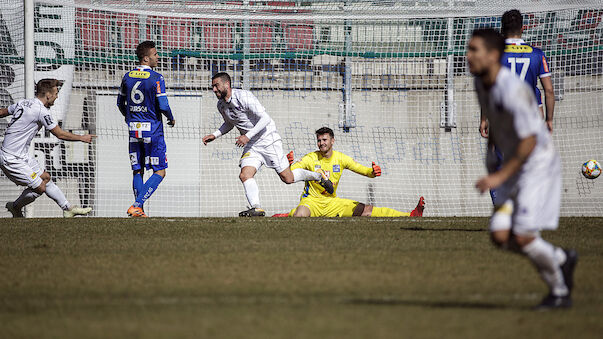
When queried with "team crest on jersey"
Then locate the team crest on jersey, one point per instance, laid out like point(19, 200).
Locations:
point(139, 74)
point(33, 175)
point(336, 169)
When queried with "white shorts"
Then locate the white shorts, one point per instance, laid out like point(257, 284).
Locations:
point(531, 202)
point(23, 171)
point(260, 153)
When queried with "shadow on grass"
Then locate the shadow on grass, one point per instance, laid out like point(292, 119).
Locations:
point(435, 304)
point(443, 229)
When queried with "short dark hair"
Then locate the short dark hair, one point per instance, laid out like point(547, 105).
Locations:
point(143, 48)
point(511, 23)
point(325, 130)
point(46, 85)
point(223, 76)
point(492, 39)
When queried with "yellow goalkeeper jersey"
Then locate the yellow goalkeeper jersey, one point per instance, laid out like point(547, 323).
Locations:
point(333, 168)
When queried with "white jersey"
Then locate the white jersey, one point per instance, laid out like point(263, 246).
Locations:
point(513, 115)
point(245, 112)
point(28, 116)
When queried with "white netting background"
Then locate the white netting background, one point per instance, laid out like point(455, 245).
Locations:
point(399, 60)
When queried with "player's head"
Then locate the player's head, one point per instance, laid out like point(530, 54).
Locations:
point(47, 90)
point(325, 138)
point(484, 51)
point(220, 84)
point(512, 24)
point(147, 53)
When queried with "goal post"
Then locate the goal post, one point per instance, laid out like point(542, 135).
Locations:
point(389, 77)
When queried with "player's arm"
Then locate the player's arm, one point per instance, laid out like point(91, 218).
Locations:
point(304, 163)
point(254, 107)
point(483, 125)
point(225, 128)
point(121, 99)
point(68, 136)
point(549, 100)
point(511, 166)
point(526, 122)
point(549, 92)
point(4, 112)
point(162, 100)
point(355, 167)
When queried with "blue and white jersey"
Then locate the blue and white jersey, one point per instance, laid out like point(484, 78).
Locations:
point(142, 100)
point(528, 62)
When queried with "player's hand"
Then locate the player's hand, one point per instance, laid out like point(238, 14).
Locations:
point(171, 123)
point(549, 125)
point(376, 169)
point(290, 158)
point(242, 141)
point(483, 128)
point(87, 138)
point(489, 182)
point(208, 138)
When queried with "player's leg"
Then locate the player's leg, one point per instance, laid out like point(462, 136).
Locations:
point(251, 161)
point(55, 193)
point(136, 151)
point(20, 172)
point(301, 211)
point(156, 150)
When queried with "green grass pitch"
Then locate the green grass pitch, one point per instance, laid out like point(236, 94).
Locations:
point(285, 278)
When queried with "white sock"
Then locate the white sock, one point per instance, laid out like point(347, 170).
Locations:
point(300, 174)
point(54, 192)
point(27, 197)
point(560, 255)
point(252, 192)
point(542, 255)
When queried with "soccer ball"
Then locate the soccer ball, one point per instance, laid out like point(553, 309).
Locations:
point(591, 169)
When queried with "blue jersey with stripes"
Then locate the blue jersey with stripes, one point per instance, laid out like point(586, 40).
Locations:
point(142, 99)
point(528, 62)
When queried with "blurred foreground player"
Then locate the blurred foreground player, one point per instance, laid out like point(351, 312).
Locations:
point(316, 202)
point(260, 141)
point(142, 100)
point(28, 116)
point(529, 182)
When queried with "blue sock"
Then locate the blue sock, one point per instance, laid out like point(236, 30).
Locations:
point(137, 184)
point(149, 188)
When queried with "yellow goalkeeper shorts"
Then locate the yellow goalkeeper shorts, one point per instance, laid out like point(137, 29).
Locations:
point(328, 207)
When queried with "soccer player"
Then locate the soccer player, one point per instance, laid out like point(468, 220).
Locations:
point(316, 202)
point(142, 100)
point(260, 141)
point(529, 181)
point(28, 116)
point(528, 62)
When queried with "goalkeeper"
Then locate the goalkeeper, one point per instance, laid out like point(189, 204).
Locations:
point(316, 202)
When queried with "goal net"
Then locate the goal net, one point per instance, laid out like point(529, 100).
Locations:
point(389, 77)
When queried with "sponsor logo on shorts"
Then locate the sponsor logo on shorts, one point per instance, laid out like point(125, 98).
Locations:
point(140, 126)
point(33, 175)
point(133, 158)
point(139, 74)
point(336, 169)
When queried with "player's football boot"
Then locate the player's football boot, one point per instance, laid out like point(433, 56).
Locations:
point(418, 211)
point(76, 210)
point(253, 212)
point(281, 215)
point(136, 212)
point(17, 213)
point(568, 268)
point(553, 302)
point(325, 182)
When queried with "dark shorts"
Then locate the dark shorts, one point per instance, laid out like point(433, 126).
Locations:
point(150, 151)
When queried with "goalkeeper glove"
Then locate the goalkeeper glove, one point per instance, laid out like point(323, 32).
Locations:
point(376, 169)
point(290, 158)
